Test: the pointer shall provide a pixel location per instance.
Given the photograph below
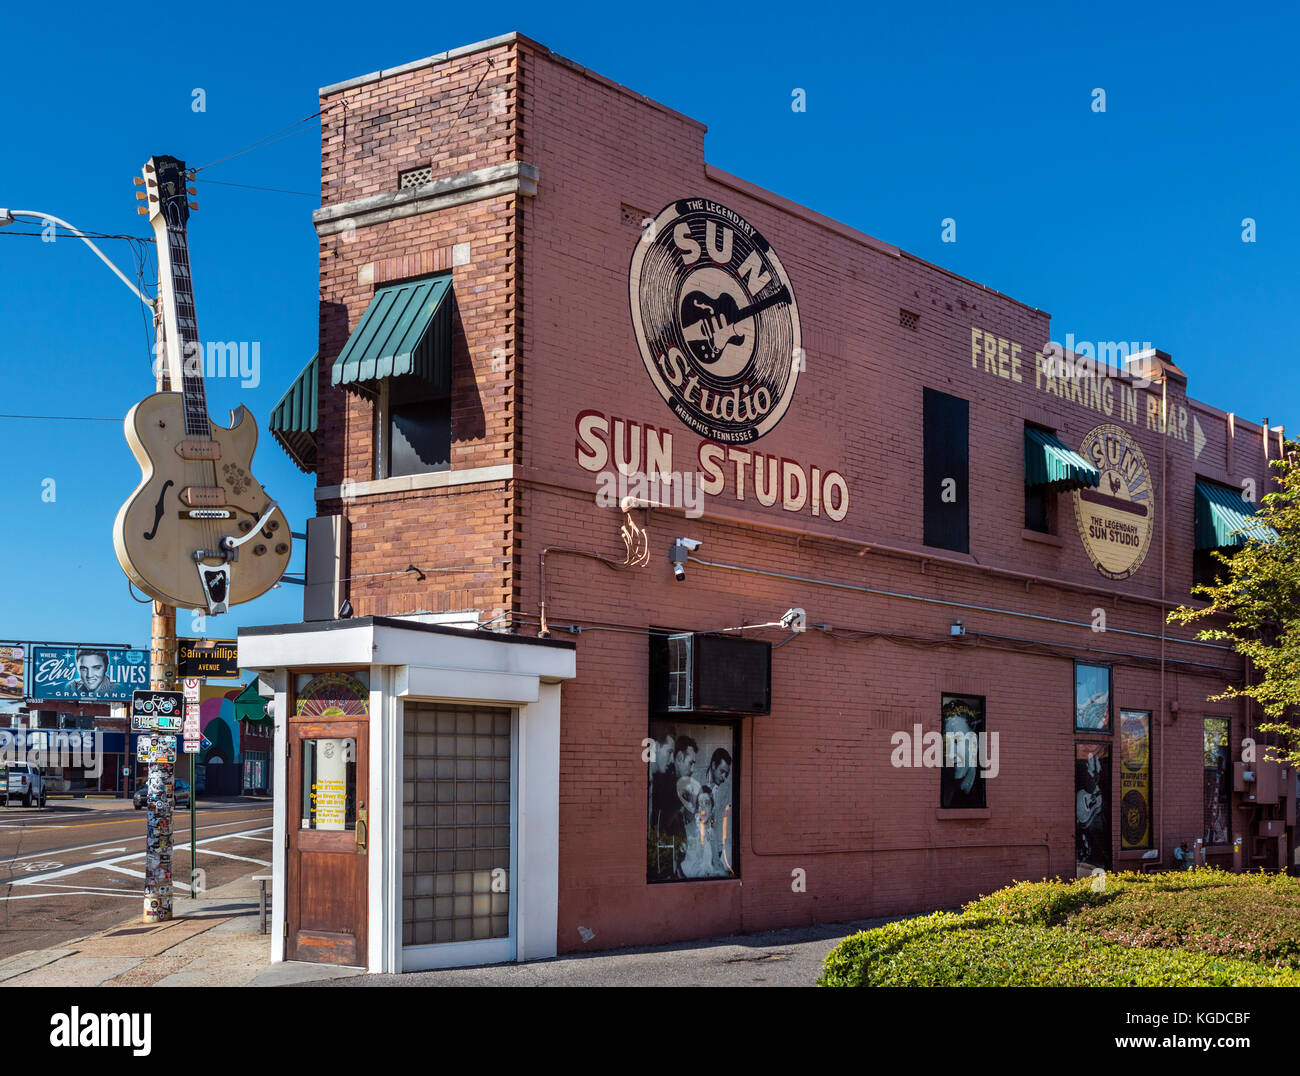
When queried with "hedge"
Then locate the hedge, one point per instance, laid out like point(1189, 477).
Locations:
point(1199, 928)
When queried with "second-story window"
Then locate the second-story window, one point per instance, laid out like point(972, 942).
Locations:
point(412, 428)
point(946, 471)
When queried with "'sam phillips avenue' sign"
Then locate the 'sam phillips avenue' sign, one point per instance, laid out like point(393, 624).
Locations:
point(207, 659)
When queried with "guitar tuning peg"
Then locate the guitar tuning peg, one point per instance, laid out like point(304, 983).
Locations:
point(191, 190)
point(142, 210)
point(139, 181)
point(194, 205)
point(141, 195)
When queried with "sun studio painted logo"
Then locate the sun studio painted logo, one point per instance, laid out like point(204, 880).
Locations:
point(1116, 520)
point(715, 320)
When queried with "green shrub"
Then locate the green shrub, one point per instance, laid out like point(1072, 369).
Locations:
point(1197, 928)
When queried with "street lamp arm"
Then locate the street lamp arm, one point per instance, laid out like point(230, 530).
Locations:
point(99, 253)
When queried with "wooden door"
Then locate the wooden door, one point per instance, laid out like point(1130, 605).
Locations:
point(328, 821)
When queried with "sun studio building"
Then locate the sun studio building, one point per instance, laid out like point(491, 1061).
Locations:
point(686, 562)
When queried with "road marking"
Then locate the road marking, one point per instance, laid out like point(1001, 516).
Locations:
point(104, 844)
point(228, 855)
point(107, 850)
point(93, 864)
point(42, 866)
point(50, 896)
point(121, 870)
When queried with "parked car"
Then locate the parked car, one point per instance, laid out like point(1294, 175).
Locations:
point(181, 795)
point(23, 781)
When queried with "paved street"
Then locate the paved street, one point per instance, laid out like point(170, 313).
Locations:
point(78, 865)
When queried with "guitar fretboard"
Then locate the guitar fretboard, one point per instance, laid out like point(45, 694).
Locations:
point(187, 328)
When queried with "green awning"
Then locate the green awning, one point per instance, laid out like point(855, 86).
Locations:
point(1225, 519)
point(406, 329)
point(250, 706)
point(293, 421)
point(1051, 464)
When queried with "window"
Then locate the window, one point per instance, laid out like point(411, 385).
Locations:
point(946, 471)
point(693, 822)
point(413, 428)
point(965, 752)
point(1135, 826)
point(1218, 779)
point(1092, 698)
point(1091, 808)
point(1207, 569)
point(457, 815)
point(1040, 500)
point(329, 783)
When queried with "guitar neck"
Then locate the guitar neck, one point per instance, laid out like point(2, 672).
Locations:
point(781, 295)
point(184, 349)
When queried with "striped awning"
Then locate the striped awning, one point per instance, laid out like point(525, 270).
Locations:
point(1053, 465)
point(293, 421)
point(406, 329)
point(1225, 519)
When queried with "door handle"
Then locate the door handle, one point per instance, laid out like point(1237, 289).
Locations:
point(361, 829)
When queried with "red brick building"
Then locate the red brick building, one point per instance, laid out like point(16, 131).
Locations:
point(535, 291)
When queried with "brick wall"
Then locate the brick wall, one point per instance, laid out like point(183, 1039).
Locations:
point(543, 333)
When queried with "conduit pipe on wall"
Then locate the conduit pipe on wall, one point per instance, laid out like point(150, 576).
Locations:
point(542, 630)
point(938, 601)
point(629, 503)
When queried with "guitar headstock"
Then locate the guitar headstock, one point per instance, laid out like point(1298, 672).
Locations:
point(165, 194)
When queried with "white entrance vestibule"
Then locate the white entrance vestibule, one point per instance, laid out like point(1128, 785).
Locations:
point(476, 709)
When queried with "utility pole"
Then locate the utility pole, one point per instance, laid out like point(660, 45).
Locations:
point(161, 791)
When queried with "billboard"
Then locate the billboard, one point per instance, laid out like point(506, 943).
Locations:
point(11, 672)
point(90, 674)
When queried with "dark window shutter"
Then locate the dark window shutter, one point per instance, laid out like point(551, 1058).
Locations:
point(947, 456)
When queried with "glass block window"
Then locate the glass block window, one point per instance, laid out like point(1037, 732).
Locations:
point(455, 824)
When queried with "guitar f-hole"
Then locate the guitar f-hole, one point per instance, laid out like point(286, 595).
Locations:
point(158, 511)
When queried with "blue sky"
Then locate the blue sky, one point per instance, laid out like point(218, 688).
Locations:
point(1125, 225)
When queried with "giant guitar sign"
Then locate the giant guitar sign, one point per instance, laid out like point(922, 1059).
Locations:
point(199, 532)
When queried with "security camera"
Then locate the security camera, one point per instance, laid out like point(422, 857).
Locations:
point(795, 620)
point(679, 554)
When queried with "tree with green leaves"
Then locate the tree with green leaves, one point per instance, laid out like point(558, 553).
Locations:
point(1254, 605)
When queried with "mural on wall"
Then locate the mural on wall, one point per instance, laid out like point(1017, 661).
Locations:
point(1116, 520)
point(218, 723)
point(715, 320)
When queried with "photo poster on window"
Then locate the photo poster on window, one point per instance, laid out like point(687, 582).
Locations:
point(1218, 778)
point(691, 802)
point(1091, 698)
point(1091, 808)
point(961, 784)
point(1135, 779)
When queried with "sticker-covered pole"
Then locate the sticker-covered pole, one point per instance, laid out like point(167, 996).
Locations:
point(160, 750)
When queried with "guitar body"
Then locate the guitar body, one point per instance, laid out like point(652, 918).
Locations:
point(156, 535)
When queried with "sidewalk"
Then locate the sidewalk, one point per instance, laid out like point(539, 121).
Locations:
point(215, 941)
point(212, 941)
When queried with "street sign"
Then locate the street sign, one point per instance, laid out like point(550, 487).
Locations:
point(168, 722)
point(191, 747)
point(219, 660)
point(193, 685)
point(150, 708)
